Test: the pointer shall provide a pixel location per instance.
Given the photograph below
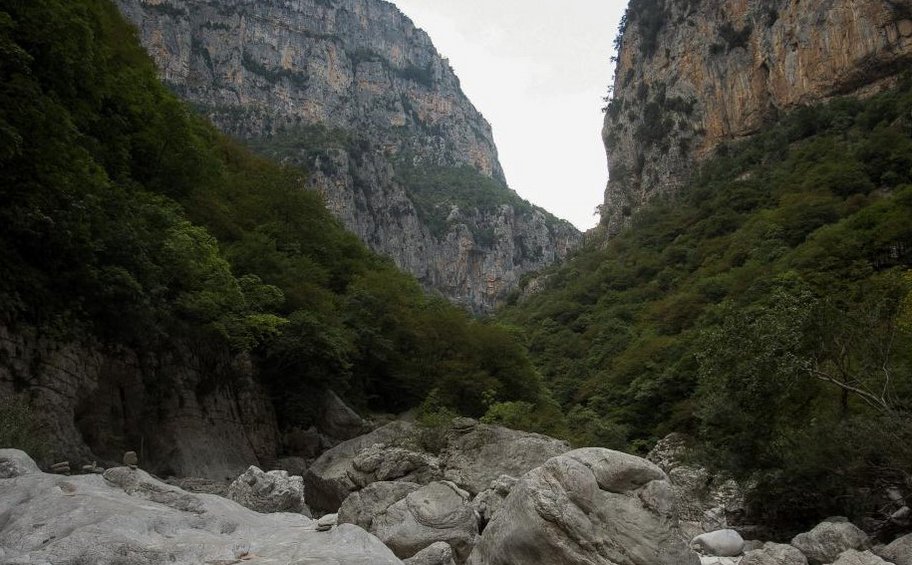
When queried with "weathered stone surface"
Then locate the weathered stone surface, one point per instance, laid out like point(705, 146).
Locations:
point(490, 500)
point(721, 543)
point(337, 420)
point(718, 71)
point(476, 455)
point(274, 491)
point(361, 507)
point(716, 560)
point(853, 557)
point(92, 404)
point(774, 554)
point(129, 518)
point(380, 462)
point(15, 463)
point(899, 551)
point(328, 482)
point(704, 502)
point(828, 540)
point(436, 512)
point(327, 522)
point(439, 553)
point(592, 506)
point(360, 67)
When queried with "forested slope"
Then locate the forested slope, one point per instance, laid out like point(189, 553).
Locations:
point(126, 217)
point(765, 310)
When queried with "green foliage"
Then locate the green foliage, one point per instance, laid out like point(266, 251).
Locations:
point(740, 310)
point(435, 191)
point(124, 215)
point(19, 427)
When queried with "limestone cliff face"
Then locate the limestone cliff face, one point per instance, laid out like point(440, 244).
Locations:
point(358, 69)
point(694, 73)
point(95, 402)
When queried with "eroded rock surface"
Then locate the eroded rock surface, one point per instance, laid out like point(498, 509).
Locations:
point(828, 540)
point(717, 71)
point(438, 512)
point(130, 518)
point(774, 554)
point(275, 491)
point(477, 454)
point(899, 551)
point(592, 506)
point(360, 95)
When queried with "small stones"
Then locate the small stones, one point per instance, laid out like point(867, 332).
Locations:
point(62, 468)
point(93, 468)
point(130, 459)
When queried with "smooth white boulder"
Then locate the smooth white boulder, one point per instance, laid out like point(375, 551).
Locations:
point(126, 517)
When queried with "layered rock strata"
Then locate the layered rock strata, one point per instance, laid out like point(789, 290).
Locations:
point(694, 74)
point(353, 91)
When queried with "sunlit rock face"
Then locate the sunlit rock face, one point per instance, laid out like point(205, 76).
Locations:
point(711, 71)
point(353, 91)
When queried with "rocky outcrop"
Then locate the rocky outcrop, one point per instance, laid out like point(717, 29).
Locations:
point(853, 557)
point(473, 455)
point(438, 512)
point(692, 75)
point(588, 506)
point(186, 410)
point(274, 491)
point(477, 454)
point(129, 518)
point(354, 92)
point(899, 551)
point(828, 540)
point(328, 481)
point(439, 553)
point(704, 502)
point(363, 506)
point(774, 554)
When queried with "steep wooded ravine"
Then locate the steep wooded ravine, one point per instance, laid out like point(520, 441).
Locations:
point(359, 96)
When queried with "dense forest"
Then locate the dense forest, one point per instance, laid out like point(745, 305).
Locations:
point(126, 217)
point(765, 310)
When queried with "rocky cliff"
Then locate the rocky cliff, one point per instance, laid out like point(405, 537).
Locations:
point(692, 74)
point(192, 411)
point(359, 96)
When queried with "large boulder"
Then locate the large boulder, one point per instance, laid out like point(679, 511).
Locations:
point(899, 552)
point(854, 557)
point(592, 506)
point(337, 420)
point(127, 517)
point(328, 481)
point(381, 462)
point(705, 502)
point(439, 553)
point(774, 554)
point(274, 491)
point(477, 454)
point(15, 463)
point(440, 511)
point(721, 543)
point(361, 507)
point(829, 540)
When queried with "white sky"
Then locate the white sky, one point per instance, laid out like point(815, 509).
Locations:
point(537, 70)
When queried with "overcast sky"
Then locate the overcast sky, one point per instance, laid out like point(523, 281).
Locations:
point(537, 70)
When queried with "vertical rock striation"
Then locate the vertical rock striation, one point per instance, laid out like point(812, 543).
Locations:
point(692, 74)
point(352, 90)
